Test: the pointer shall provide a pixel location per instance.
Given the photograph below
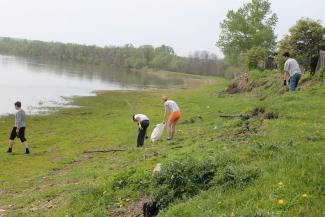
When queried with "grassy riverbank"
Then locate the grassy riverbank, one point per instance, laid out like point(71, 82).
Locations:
point(59, 179)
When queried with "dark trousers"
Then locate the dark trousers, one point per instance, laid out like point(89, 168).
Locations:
point(142, 132)
point(20, 135)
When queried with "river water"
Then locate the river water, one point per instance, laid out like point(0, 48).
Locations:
point(41, 86)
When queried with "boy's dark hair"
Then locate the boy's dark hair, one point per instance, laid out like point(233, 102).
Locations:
point(286, 54)
point(18, 104)
point(133, 117)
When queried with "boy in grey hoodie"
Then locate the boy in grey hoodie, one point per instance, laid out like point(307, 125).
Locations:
point(19, 129)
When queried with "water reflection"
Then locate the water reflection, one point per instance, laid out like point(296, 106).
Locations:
point(40, 85)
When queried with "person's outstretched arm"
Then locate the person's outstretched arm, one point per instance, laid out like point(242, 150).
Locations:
point(165, 115)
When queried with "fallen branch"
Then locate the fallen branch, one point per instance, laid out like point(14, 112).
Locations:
point(175, 147)
point(104, 151)
point(245, 117)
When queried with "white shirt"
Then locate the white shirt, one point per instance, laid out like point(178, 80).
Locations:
point(141, 117)
point(292, 66)
point(172, 106)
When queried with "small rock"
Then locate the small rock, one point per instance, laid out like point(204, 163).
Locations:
point(33, 209)
point(157, 168)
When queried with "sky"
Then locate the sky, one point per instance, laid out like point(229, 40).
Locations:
point(186, 25)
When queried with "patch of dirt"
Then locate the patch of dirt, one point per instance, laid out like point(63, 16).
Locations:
point(2, 212)
point(238, 84)
point(271, 115)
point(307, 84)
point(257, 111)
point(192, 120)
point(150, 154)
point(131, 209)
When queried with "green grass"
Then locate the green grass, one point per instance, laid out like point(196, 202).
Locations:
point(58, 179)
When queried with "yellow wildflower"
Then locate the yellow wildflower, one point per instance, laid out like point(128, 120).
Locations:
point(280, 201)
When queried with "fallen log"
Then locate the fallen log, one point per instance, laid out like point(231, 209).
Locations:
point(104, 151)
point(244, 117)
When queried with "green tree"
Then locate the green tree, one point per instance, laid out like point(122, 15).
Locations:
point(255, 58)
point(250, 26)
point(306, 38)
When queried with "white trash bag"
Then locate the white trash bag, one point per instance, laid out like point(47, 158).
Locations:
point(157, 132)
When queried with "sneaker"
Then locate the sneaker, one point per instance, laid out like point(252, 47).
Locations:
point(27, 151)
point(169, 138)
point(9, 150)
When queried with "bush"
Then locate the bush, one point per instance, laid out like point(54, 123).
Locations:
point(185, 178)
point(256, 57)
point(182, 179)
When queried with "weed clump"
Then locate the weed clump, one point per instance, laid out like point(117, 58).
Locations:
point(257, 111)
point(185, 178)
point(182, 179)
point(271, 115)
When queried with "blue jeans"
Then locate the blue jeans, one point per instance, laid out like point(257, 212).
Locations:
point(294, 82)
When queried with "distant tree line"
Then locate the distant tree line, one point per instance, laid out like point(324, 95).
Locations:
point(128, 56)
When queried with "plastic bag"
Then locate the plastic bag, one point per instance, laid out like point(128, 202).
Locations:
point(157, 132)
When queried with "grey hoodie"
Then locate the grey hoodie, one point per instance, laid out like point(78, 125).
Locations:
point(20, 119)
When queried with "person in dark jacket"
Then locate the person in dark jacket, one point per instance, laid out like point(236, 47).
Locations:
point(19, 129)
point(143, 124)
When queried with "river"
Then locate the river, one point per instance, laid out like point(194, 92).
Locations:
point(42, 86)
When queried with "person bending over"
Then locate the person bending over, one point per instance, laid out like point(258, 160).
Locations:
point(175, 114)
point(19, 129)
point(143, 124)
point(291, 69)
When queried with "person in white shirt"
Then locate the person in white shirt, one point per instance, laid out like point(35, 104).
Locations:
point(143, 124)
point(175, 114)
point(291, 70)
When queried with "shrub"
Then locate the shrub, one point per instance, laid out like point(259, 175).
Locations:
point(256, 57)
point(182, 179)
point(185, 178)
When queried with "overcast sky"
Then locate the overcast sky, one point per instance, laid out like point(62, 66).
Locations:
point(186, 25)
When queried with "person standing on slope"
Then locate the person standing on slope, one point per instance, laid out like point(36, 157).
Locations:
point(175, 114)
point(291, 69)
point(143, 124)
point(19, 129)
